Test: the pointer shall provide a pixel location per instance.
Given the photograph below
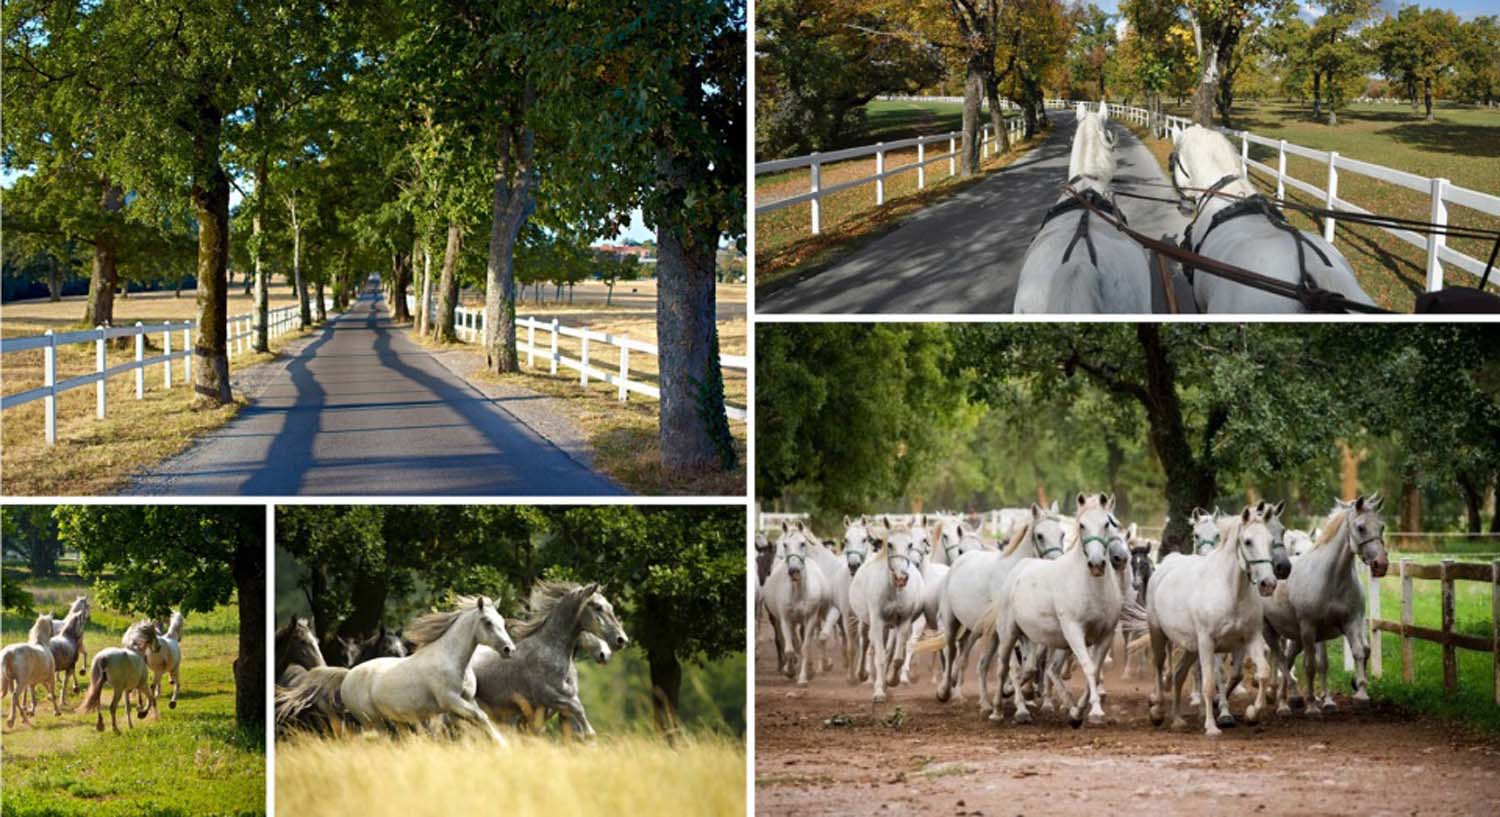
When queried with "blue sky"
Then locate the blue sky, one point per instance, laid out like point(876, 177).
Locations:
point(1463, 8)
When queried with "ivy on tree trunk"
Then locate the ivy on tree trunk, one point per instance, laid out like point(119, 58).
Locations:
point(694, 429)
point(105, 275)
point(210, 195)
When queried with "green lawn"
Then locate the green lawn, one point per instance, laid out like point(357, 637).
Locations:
point(1474, 703)
point(1462, 145)
point(192, 760)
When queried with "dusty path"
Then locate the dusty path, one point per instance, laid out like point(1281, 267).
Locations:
point(963, 254)
point(942, 759)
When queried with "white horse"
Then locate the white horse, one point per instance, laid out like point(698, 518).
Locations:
point(1324, 598)
point(66, 646)
point(885, 596)
point(124, 669)
point(933, 563)
point(859, 544)
point(798, 594)
point(26, 666)
point(972, 588)
point(1077, 263)
point(1243, 228)
point(436, 679)
point(1205, 605)
point(164, 657)
point(79, 605)
point(1070, 602)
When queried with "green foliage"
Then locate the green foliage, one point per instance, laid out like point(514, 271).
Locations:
point(1478, 77)
point(851, 413)
point(30, 532)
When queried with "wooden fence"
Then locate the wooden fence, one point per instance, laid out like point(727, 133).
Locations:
point(1448, 571)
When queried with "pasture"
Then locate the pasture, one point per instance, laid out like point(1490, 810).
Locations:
point(93, 456)
point(192, 760)
point(1461, 146)
point(620, 774)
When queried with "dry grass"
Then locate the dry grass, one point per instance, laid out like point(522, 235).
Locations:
point(625, 775)
point(32, 317)
point(784, 245)
point(625, 436)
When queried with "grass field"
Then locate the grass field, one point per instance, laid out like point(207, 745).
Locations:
point(91, 456)
point(190, 761)
point(1474, 703)
point(616, 775)
point(1462, 145)
point(784, 244)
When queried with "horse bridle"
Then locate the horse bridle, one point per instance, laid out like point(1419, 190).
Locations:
point(1200, 542)
point(801, 560)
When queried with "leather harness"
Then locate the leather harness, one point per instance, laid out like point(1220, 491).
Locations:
point(1076, 202)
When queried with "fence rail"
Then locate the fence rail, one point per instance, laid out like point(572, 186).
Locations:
point(816, 161)
point(1448, 571)
point(278, 322)
point(469, 325)
point(1440, 192)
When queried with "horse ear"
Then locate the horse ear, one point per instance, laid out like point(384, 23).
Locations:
point(1053, 506)
point(1036, 511)
point(1376, 500)
point(785, 528)
point(847, 523)
point(1198, 513)
point(479, 603)
point(1082, 499)
point(1108, 501)
point(1280, 506)
point(1245, 514)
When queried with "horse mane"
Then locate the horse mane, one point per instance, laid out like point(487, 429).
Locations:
point(140, 635)
point(72, 626)
point(1220, 153)
point(1332, 526)
point(547, 597)
point(1019, 536)
point(41, 629)
point(429, 628)
point(1099, 163)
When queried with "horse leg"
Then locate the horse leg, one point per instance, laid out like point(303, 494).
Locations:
point(1006, 644)
point(1102, 652)
point(989, 703)
point(808, 662)
point(965, 648)
point(1224, 681)
point(175, 686)
point(114, 701)
point(1078, 643)
point(908, 647)
point(1257, 651)
point(1158, 661)
point(464, 708)
point(1185, 666)
point(149, 704)
point(789, 659)
point(895, 640)
point(852, 649)
point(950, 654)
point(1359, 645)
point(878, 645)
point(1329, 706)
point(1309, 668)
point(1207, 672)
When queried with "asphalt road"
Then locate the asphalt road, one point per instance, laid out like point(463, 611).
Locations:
point(363, 409)
point(963, 255)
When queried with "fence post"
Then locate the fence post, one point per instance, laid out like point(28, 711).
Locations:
point(187, 354)
point(1245, 155)
point(1333, 193)
point(49, 379)
point(817, 184)
point(921, 163)
point(1450, 653)
point(1408, 674)
point(624, 371)
point(530, 343)
point(1436, 241)
point(554, 346)
point(140, 355)
point(583, 370)
point(879, 173)
point(952, 156)
point(99, 367)
point(1372, 635)
point(1495, 623)
point(166, 350)
point(1281, 170)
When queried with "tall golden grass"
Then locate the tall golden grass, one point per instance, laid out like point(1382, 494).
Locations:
point(615, 775)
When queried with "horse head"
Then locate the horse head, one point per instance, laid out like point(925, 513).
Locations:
point(900, 547)
point(1202, 163)
point(1141, 565)
point(793, 546)
point(1205, 530)
point(490, 630)
point(598, 616)
point(1281, 563)
point(1048, 535)
point(1364, 532)
point(858, 542)
point(1100, 533)
point(1252, 544)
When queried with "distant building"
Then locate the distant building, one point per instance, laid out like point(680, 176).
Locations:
point(619, 251)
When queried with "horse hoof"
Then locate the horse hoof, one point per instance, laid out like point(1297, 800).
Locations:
point(801, 682)
point(1283, 709)
point(1362, 696)
point(1252, 715)
point(1179, 723)
point(1225, 720)
point(1022, 716)
point(1330, 708)
point(1048, 706)
point(1212, 733)
point(943, 695)
point(879, 697)
point(1156, 715)
point(171, 704)
point(100, 727)
point(1096, 718)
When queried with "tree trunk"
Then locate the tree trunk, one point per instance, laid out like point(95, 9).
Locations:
point(1411, 506)
point(666, 688)
point(54, 280)
point(260, 317)
point(368, 596)
point(694, 428)
point(105, 275)
point(448, 286)
point(210, 195)
point(979, 66)
point(1317, 94)
point(1473, 502)
point(304, 313)
point(250, 664)
point(320, 308)
point(511, 204)
point(997, 116)
point(1208, 84)
point(1427, 96)
point(401, 262)
point(424, 297)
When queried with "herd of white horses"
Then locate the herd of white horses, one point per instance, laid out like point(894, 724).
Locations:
point(467, 666)
point(149, 651)
point(1047, 599)
point(1079, 263)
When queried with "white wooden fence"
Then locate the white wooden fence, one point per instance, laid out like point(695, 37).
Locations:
point(816, 161)
point(1440, 192)
point(241, 328)
point(469, 325)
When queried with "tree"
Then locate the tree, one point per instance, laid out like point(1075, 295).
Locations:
point(1479, 60)
point(1339, 60)
point(616, 269)
point(31, 533)
point(1092, 47)
point(679, 571)
point(192, 558)
point(1217, 26)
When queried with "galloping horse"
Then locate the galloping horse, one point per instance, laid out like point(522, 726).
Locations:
point(26, 666)
point(125, 670)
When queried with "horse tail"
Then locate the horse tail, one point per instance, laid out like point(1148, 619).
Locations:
point(314, 700)
point(8, 676)
point(174, 630)
point(98, 674)
point(988, 621)
point(932, 644)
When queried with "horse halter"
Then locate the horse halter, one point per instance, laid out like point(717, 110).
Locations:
point(1203, 544)
point(801, 561)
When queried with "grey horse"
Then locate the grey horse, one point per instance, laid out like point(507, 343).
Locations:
point(541, 675)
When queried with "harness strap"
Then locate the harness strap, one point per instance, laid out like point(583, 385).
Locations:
point(1081, 232)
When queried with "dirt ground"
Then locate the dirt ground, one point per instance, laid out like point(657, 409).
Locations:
point(912, 755)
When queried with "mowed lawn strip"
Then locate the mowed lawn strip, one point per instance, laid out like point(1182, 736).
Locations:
point(192, 760)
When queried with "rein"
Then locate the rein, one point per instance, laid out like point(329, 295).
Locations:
point(1099, 202)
